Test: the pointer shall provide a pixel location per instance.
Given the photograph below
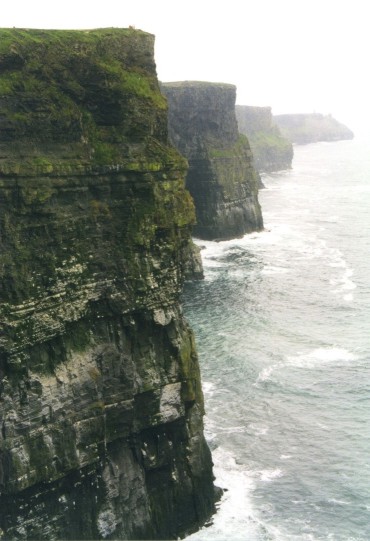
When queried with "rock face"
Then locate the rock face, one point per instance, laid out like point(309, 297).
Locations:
point(271, 151)
point(101, 405)
point(221, 176)
point(311, 128)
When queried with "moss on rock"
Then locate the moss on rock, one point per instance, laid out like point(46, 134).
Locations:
point(221, 177)
point(95, 242)
point(271, 151)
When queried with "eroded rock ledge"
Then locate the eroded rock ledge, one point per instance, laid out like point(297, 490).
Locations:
point(101, 404)
point(221, 176)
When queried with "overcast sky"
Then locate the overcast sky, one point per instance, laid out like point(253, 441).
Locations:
point(291, 55)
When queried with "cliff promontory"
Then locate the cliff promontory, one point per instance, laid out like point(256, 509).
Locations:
point(221, 176)
point(312, 128)
point(271, 151)
point(101, 406)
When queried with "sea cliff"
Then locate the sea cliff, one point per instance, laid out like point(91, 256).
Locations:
point(221, 177)
point(271, 151)
point(101, 403)
point(312, 128)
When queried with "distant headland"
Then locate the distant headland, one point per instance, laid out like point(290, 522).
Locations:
point(311, 128)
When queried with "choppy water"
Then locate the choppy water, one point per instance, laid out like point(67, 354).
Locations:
point(282, 322)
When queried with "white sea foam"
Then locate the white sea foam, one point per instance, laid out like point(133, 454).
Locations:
point(257, 429)
point(271, 270)
point(320, 356)
point(235, 513)
point(212, 262)
point(232, 429)
point(266, 373)
point(338, 502)
point(311, 359)
point(208, 388)
point(238, 273)
point(270, 475)
point(343, 281)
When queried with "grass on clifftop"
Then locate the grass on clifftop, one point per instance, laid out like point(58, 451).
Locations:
point(94, 89)
point(30, 57)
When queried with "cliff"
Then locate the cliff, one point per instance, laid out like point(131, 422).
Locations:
point(271, 151)
point(221, 176)
point(101, 404)
point(311, 128)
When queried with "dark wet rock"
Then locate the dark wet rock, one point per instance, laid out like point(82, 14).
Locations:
point(101, 406)
point(221, 177)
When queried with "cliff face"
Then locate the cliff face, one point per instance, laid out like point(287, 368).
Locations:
point(311, 128)
point(271, 151)
point(100, 399)
point(221, 176)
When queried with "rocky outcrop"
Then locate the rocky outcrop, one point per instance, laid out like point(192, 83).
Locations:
point(101, 405)
point(221, 176)
point(311, 128)
point(271, 151)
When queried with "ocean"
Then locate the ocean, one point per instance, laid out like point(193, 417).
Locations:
point(282, 326)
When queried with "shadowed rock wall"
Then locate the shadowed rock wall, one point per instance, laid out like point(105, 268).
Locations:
point(221, 176)
point(101, 404)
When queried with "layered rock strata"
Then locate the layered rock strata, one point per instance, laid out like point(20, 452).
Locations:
point(221, 177)
point(312, 128)
point(101, 404)
point(271, 151)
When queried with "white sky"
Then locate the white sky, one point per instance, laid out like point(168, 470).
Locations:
point(292, 55)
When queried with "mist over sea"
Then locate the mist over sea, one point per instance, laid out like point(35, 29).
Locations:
point(282, 323)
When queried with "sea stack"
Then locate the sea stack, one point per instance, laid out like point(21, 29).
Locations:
point(101, 404)
point(221, 178)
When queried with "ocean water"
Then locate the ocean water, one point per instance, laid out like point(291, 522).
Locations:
point(282, 324)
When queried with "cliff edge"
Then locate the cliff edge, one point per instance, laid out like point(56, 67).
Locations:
point(221, 176)
point(312, 128)
point(101, 404)
point(271, 151)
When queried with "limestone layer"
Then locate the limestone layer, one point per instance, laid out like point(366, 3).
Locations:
point(101, 404)
point(221, 177)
